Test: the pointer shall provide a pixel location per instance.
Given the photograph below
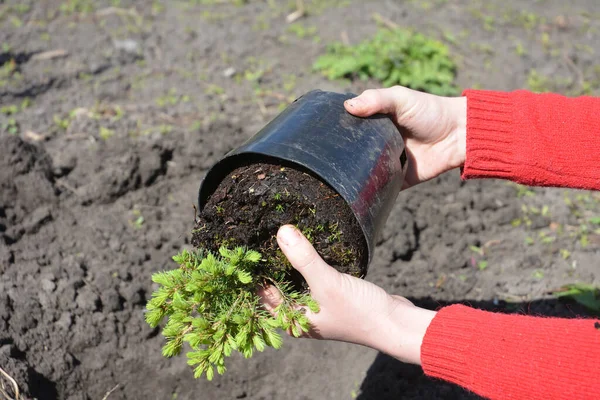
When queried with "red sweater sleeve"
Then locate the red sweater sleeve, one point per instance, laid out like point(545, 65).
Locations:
point(503, 356)
point(533, 139)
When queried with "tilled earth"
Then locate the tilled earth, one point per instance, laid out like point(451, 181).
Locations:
point(112, 111)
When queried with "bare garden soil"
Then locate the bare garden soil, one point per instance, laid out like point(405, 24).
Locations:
point(113, 111)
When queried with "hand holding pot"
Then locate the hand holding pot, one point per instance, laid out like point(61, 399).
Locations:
point(351, 309)
point(433, 127)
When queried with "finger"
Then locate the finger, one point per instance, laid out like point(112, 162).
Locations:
point(374, 101)
point(304, 258)
point(270, 298)
point(402, 299)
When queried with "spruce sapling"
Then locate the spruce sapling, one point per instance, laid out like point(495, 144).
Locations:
point(211, 302)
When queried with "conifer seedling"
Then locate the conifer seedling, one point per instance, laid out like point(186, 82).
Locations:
point(211, 303)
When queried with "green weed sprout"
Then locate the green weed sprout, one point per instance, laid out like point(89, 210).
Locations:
point(211, 303)
point(393, 57)
point(584, 294)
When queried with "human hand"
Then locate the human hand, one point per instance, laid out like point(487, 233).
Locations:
point(351, 309)
point(433, 127)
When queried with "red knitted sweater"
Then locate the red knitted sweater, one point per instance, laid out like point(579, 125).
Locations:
point(533, 139)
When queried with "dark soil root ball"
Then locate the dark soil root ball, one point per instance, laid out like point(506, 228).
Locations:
point(253, 201)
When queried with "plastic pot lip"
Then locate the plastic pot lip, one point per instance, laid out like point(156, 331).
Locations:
point(234, 160)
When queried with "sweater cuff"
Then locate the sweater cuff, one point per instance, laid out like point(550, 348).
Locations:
point(446, 345)
point(513, 356)
point(491, 144)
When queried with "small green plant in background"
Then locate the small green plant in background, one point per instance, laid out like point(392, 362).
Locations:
point(584, 294)
point(138, 221)
point(105, 133)
point(211, 303)
point(11, 126)
point(538, 274)
point(565, 254)
point(62, 123)
point(214, 90)
point(588, 82)
point(523, 191)
point(538, 83)
point(70, 7)
point(394, 57)
point(172, 98)
point(9, 71)
point(301, 31)
point(482, 265)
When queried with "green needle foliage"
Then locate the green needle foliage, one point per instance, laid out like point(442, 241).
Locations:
point(211, 303)
point(394, 57)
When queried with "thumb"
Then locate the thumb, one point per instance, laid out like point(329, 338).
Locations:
point(304, 258)
point(374, 101)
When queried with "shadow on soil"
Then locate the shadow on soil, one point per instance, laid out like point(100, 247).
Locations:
point(41, 387)
point(388, 378)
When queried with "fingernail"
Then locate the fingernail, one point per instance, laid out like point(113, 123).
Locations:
point(351, 102)
point(289, 235)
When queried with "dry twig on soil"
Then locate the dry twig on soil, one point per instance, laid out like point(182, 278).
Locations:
point(118, 11)
point(344, 37)
point(385, 21)
point(261, 106)
point(571, 64)
point(4, 389)
point(110, 392)
point(34, 136)
point(50, 55)
point(299, 13)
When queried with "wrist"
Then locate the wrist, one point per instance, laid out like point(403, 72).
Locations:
point(459, 109)
point(402, 333)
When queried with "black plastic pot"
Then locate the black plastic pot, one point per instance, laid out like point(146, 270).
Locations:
point(363, 159)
